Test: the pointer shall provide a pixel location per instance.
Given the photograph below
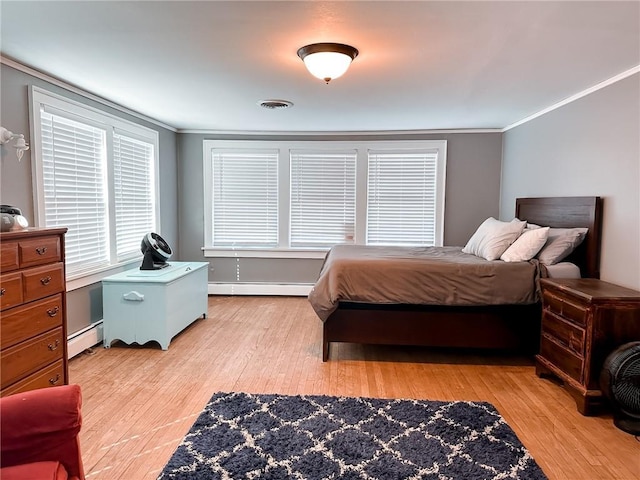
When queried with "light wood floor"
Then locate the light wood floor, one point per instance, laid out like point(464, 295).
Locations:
point(139, 402)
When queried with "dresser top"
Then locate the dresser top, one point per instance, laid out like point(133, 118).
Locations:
point(31, 232)
point(591, 289)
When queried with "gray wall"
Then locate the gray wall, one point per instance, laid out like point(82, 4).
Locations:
point(84, 304)
point(472, 194)
point(588, 147)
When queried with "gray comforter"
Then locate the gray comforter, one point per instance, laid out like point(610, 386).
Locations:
point(425, 276)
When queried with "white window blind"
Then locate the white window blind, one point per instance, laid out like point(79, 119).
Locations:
point(74, 178)
point(401, 199)
point(134, 198)
point(245, 198)
point(322, 198)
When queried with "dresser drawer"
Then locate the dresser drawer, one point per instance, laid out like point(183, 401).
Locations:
point(10, 290)
point(40, 251)
point(9, 256)
point(29, 320)
point(47, 377)
point(565, 360)
point(561, 306)
point(41, 282)
point(563, 332)
point(27, 357)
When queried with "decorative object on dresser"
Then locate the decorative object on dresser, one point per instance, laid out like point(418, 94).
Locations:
point(11, 219)
point(583, 321)
point(620, 382)
point(144, 305)
point(33, 327)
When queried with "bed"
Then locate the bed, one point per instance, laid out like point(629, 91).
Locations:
point(506, 325)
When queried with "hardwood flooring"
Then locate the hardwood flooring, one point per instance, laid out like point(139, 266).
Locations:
point(138, 402)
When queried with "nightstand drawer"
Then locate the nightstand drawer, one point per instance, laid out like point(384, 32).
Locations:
point(10, 290)
point(27, 357)
point(565, 360)
point(565, 333)
point(563, 307)
point(43, 281)
point(31, 319)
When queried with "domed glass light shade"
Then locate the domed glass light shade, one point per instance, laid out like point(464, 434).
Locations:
point(327, 61)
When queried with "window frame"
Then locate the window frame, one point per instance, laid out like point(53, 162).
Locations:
point(284, 147)
point(42, 98)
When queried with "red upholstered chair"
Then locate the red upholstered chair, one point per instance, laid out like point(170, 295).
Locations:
point(39, 434)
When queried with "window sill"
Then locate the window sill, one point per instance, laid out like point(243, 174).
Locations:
point(256, 253)
point(97, 275)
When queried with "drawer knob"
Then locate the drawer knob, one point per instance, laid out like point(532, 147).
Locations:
point(45, 280)
point(54, 346)
point(2, 291)
point(52, 312)
point(54, 380)
point(41, 250)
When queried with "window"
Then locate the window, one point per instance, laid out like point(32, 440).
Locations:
point(322, 198)
point(401, 200)
point(245, 198)
point(298, 198)
point(134, 193)
point(74, 173)
point(96, 175)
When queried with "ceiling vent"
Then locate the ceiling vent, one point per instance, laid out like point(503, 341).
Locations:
point(275, 104)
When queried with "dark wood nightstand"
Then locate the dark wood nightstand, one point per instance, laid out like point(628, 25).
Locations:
point(583, 320)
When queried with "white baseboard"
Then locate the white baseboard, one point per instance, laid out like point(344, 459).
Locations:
point(86, 338)
point(293, 290)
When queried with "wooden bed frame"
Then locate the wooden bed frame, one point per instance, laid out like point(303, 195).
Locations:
point(503, 327)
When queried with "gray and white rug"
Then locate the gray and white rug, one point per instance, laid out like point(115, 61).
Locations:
point(245, 436)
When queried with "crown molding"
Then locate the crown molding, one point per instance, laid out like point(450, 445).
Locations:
point(339, 133)
point(573, 98)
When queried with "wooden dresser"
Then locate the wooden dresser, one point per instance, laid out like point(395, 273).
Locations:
point(33, 327)
point(583, 321)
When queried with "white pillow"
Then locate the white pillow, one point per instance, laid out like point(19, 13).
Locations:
point(493, 237)
point(561, 242)
point(526, 245)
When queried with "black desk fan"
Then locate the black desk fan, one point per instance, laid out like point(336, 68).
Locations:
point(620, 382)
point(156, 252)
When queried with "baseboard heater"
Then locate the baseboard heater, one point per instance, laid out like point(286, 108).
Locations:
point(267, 289)
point(88, 337)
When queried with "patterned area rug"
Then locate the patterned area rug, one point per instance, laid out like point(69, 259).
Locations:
point(245, 436)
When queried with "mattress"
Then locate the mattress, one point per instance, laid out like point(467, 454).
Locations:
point(420, 276)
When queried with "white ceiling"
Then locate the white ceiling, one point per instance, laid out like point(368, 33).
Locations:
point(423, 65)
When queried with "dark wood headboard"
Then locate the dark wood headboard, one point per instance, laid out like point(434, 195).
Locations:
point(568, 212)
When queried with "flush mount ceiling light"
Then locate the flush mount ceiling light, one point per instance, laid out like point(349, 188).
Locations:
point(327, 61)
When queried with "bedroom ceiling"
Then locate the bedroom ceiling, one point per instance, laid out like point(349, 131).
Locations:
point(422, 65)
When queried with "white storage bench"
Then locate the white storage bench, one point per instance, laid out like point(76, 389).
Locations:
point(144, 305)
